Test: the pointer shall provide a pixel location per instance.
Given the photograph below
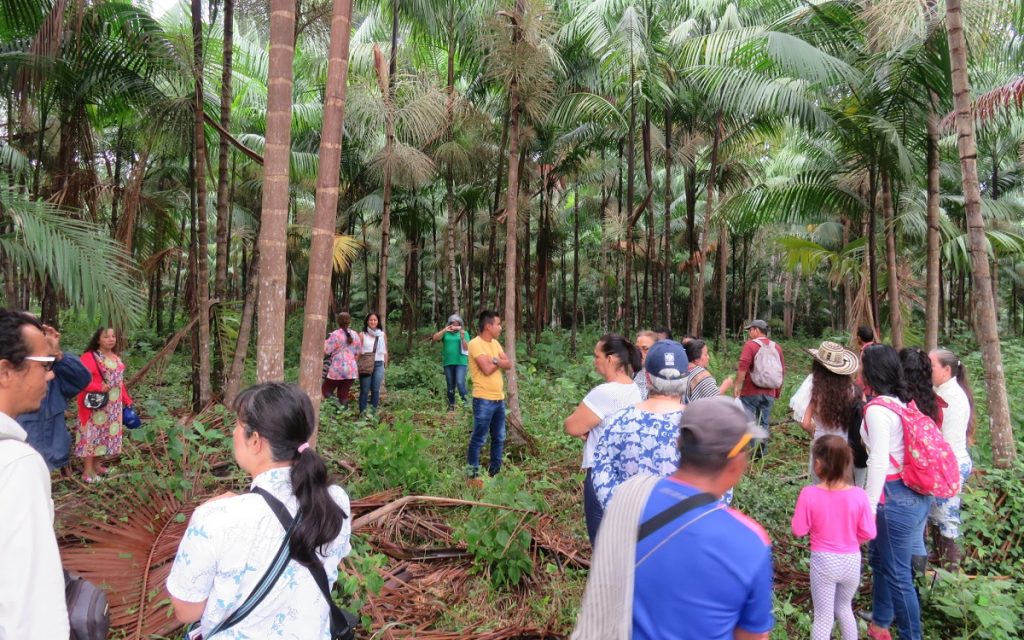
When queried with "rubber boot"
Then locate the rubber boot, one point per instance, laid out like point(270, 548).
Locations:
point(951, 554)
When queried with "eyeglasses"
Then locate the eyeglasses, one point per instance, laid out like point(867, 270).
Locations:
point(46, 361)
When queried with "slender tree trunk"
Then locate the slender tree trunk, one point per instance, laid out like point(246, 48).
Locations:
point(649, 262)
point(234, 379)
point(933, 273)
point(273, 272)
point(1004, 450)
point(321, 264)
point(220, 277)
point(202, 262)
point(690, 194)
point(697, 300)
point(666, 285)
point(517, 433)
point(892, 266)
point(575, 268)
point(723, 283)
point(386, 84)
point(872, 234)
point(450, 182)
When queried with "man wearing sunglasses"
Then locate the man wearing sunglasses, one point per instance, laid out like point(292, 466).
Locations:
point(672, 560)
point(31, 606)
point(46, 428)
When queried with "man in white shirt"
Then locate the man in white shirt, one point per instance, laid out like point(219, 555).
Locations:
point(32, 605)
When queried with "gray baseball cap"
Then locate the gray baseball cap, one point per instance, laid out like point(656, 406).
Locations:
point(718, 426)
point(756, 324)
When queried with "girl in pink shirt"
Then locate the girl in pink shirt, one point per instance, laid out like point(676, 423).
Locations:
point(838, 517)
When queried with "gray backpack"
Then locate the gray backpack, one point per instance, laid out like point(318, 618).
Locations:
point(767, 370)
point(87, 608)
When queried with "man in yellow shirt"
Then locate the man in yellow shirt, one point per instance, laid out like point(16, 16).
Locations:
point(486, 360)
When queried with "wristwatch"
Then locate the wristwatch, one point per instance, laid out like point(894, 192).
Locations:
point(494, 361)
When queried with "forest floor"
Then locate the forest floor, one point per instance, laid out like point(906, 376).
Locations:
point(509, 560)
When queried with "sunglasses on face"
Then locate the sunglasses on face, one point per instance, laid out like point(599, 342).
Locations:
point(46, 361)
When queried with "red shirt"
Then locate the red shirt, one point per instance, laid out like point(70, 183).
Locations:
point(750, 349)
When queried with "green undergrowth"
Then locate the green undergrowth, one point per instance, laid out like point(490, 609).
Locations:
point(414, 446)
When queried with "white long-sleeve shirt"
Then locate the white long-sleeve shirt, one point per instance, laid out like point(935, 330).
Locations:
point(882, 431)
point(955, 417)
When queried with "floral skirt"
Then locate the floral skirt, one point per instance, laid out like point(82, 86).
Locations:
point(100, 434)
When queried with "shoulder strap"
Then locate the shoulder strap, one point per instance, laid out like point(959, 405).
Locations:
point(701, 376)
point(266, 582)
point(376, 341)
point(675, 511)
point(339, 623)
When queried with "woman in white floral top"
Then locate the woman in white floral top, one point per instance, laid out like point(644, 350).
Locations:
point(643, 439)
point(232, 539)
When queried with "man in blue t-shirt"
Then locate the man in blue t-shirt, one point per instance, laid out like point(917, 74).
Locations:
point(703, 574)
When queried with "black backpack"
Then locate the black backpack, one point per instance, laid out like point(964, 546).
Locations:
point(88, 612)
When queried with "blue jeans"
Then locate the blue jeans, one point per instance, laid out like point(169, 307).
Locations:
point(488, 418)
point(592, 509)
point(370, 386)
point(455, 376)
point(759, 408)
point(900, 530)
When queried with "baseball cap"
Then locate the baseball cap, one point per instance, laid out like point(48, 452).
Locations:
point(455, 319)
point(756, 324)
point(666, 359)
point(718, 426)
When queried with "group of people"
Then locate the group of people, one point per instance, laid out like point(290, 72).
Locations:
point(343, 350)
point(96, 380)
point(671, 559)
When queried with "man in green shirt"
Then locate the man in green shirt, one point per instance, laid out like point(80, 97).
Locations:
point(454, 341)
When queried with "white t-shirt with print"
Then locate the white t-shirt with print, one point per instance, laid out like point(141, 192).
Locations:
point(605, 400)
point(227, 548)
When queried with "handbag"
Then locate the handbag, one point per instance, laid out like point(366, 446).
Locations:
point(343, 623)
point(367, 361)
point(129, 418)
point(260, 591)
point(97, 399)
point(88, 610)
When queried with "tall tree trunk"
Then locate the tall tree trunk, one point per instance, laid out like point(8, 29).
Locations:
point(627, 319)
point(697, 299)
point(666, 285)
point(321, 264)
point(690, 194)
point(202, 262)
point(220, 277)
point(453, 290)
point(575, 268)
point(1004, 450)
point(517, 434)
point(723, 283)
point(234, 378)
point(933, 272)
point(872, 234)
point(650, 289)
point(892, 266)
point(273, 271)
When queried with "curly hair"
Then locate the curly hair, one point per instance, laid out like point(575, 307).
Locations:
point(917, 370)
point(832, 396)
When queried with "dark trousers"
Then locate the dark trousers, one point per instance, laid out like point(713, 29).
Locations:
point(339, 387)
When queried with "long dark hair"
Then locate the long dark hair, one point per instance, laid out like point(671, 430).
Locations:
point(283, 415)
point(883, 372)
point(94, 341)
point(948, 359)
point(626, 352)
point(917, 371)
point(366, 322)
point(832, 395)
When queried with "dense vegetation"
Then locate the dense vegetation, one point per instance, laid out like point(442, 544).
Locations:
point(195, 173)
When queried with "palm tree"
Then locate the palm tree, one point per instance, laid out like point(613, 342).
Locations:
point(274, 212)
point(202, 281)
point(1004, 449)
point(318, 289)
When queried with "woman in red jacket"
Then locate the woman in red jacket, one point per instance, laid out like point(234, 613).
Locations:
point(100, 423)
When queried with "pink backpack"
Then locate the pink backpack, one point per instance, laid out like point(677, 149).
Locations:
point(929, 465)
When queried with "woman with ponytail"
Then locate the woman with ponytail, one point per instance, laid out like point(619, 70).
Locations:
point(900, 513)
point(951, 384)
point(616, 360)
point(232, 539)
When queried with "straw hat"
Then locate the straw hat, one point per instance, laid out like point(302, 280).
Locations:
point(836, 358)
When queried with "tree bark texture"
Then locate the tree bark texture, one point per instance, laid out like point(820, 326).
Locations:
point(202, 263)
point(220, 277)
point(892, 264)
point(273, 271)
point(321, 263)
point(932, 271)
point(1004, 450)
